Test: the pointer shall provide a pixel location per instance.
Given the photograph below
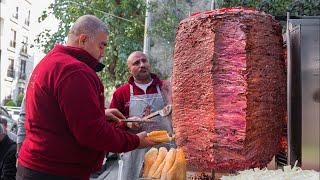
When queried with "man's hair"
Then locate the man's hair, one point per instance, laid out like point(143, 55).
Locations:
point(88, 24)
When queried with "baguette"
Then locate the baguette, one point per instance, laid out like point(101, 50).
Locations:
point(159, 136)
point(149, 158)
point(157, 174)
point(178, 170)
point(169, 160)
point(161, 155)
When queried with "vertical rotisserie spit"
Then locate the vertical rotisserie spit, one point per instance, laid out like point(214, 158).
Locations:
point(229, 89)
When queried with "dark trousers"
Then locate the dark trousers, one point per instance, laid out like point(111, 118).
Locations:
point(24, 173)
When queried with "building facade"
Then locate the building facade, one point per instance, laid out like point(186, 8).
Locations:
point(16, 56)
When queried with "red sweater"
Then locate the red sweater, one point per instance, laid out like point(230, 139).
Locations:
point(121, 97)
point(66, 129)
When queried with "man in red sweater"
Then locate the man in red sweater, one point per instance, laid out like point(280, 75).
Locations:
point(143, 94)
point(67, 133)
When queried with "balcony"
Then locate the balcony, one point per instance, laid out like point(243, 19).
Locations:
point(27, 22)
point(24, 49)
point(22, 75)
point(13, 44)
point(15, 15)
point(10, 73)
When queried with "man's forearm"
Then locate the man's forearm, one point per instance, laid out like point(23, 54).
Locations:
point(21, 129)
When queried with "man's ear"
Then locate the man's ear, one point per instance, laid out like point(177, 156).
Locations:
point(128, 68)
point(82, 39)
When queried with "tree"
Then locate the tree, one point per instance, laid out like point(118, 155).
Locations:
point(10, 103)
point(19, 99)
point(278, 7)
point(125, 21)
point(168, 13)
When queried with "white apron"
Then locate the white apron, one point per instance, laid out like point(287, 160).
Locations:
point(130, 163)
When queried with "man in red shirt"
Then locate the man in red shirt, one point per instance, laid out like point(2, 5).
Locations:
point(67, 133)
point(143, 94)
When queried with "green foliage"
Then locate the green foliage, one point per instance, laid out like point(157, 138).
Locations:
point(168, 14)
point(278, 7)
point(305, 7)
point(10, 103)
point(19, 99)
point(166, 18)
point(125, 21)
point(6, 100)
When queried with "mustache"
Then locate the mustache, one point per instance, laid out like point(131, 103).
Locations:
point(143, 69)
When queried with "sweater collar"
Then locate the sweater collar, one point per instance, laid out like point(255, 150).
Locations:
point(81, 55)
point(156, 80)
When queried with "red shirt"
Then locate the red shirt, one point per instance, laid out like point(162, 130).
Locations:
point(66, 129)
point(121, 97)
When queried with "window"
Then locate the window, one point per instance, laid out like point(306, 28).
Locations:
point(22, 74)
point(20, 90)
point(13, 38)
point(27, 19)
point(24, 48)
point(10, 72)
point(16, 14)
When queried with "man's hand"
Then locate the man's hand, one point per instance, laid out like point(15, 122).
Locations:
point(114, 115)
point(144, 141)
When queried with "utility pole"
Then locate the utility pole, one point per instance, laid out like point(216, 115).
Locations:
point(146, 42)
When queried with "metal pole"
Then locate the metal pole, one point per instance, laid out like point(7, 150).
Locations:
point(213, 4)
point(288, 87)
point(146, 42)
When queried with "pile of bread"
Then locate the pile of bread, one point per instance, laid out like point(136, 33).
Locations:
point(164, 165)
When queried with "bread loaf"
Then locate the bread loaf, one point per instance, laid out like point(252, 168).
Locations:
point(169, 160)
point(149, 158)
point(159, 136)
point(178, 170)
point(158, 172)
point(161, 155)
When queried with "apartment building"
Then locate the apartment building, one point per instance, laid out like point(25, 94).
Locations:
point(16, 56)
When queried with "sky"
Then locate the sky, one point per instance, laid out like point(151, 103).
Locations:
point(38, 6)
